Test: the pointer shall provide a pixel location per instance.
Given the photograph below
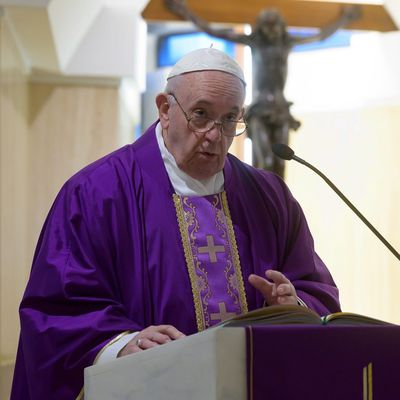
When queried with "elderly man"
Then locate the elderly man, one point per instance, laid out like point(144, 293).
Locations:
point(163, 238)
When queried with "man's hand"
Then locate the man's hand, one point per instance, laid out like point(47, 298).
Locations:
point(277, 292)
point(150, 337)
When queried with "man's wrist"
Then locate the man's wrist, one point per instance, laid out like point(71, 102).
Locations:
point(110, 351)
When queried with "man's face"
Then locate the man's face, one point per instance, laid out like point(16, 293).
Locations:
point(213, 94)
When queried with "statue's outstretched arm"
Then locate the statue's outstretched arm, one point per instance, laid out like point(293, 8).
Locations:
point(349, 14)
point(180, 8)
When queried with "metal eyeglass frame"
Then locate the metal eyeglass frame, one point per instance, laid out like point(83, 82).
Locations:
point(219, 124)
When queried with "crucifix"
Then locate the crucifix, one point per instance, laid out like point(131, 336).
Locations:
point(269, 117)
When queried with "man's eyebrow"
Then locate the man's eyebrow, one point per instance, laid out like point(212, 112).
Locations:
point(201, 102)
point(204, 102)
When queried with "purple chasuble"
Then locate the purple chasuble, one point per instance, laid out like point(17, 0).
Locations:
point(110, 260)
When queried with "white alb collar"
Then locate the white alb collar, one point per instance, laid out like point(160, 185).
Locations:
point(183, 184)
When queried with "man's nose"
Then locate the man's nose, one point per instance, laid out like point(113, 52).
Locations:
point(215, 133)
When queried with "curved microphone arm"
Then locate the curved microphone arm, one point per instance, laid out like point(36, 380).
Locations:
point(287, 153)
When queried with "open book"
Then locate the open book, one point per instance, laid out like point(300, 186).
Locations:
point(292, 314)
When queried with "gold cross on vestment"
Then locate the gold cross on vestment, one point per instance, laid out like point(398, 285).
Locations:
point(223, 314)
point(211, 249)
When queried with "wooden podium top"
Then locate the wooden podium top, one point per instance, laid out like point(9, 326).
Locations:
point(300, 13)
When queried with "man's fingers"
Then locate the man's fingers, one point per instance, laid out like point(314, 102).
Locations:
point(266, 288)
point(283, 300)
point(276, 276)
point(170, 331)
point(283, 285)
point(151, 336)
point(159, 338)
point(144, 344)
point(276, 289)
point(157, 334)
point(284, 289)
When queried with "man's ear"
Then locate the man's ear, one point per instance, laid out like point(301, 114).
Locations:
point(163, 107)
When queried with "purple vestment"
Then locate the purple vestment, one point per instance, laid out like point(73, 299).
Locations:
point(110, 259)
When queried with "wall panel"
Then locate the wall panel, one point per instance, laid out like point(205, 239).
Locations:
point(13, 197)
point(358, 150)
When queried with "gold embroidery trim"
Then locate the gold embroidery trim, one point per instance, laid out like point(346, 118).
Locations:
point(235, 253)
point(80, 395)
point(367, 382)
point(189, 261)
point(251, 362)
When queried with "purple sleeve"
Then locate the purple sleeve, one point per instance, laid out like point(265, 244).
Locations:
point(76, 301)
point(299, 261)
point(275, 235)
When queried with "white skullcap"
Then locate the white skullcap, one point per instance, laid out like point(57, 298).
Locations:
point(207, 60)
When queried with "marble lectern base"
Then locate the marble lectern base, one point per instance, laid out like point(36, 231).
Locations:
point(209, 365)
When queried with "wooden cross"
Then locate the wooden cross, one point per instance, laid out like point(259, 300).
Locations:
point(301, 13)
point(211, 249)
point(223, 314)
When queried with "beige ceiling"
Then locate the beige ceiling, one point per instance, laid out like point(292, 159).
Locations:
point(91, 38)
point(95, 38)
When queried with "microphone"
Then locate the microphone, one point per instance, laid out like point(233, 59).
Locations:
point(286, 153)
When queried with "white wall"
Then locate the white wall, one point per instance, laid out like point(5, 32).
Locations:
point(348, 100)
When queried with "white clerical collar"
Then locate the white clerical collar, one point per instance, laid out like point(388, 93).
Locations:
point(183, 184)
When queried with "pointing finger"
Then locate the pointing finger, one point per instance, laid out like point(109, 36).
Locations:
point(266, 288)
point(276, 276)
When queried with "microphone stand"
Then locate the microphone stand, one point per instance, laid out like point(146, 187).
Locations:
point(345, 199)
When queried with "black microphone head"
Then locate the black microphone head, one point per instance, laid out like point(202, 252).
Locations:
point(282, 151)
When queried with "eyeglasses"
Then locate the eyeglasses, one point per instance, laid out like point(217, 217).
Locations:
point(201, 124)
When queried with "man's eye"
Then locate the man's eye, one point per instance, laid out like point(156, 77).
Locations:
point(232, 117)
point(199, 113)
